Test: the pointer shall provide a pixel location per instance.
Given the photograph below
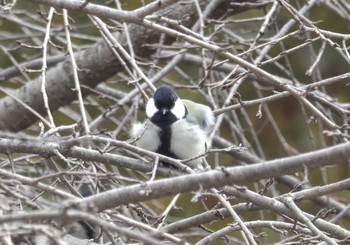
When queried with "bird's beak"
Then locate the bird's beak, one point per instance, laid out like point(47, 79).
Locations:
point(164, 111)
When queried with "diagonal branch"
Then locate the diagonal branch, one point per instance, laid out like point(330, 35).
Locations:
point(160, 188)
point(95, 64)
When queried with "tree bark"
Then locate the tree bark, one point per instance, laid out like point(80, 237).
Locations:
point(95, 66)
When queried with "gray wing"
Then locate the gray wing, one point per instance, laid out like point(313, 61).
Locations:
point(200, 114)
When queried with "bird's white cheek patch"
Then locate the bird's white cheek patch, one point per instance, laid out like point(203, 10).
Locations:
point(179, 109)
point(151, 108)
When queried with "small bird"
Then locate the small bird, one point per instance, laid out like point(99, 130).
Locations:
point(175, 128)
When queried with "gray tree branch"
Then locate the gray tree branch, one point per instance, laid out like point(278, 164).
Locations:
point(95, 64)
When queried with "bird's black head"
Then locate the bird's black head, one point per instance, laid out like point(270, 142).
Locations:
point(165, 98)
point(165, 107)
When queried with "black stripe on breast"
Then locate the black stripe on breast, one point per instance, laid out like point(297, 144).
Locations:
point(164, 122)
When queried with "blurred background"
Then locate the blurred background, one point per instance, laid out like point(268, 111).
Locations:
point(263, 33)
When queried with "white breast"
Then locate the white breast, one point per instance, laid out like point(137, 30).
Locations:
point(147, 134)
point(187, 141)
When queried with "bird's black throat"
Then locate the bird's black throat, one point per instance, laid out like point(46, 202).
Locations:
point(164, 122)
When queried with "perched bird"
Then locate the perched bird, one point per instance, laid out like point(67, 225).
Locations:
point(175, 128)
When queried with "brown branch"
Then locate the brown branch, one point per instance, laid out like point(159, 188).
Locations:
point(95, 65)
